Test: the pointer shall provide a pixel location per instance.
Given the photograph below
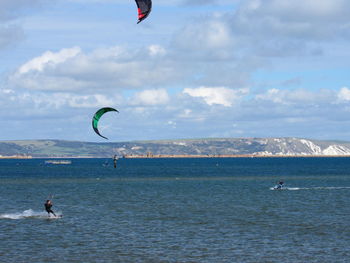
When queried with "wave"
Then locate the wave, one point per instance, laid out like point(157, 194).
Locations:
point(29, 214)
point(313, 188)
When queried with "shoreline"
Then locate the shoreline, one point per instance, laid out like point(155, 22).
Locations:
point(15, 157)
point(159, 156)
point(170, 156)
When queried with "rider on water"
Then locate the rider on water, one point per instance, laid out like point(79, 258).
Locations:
point(280, 185)
point(48, 205)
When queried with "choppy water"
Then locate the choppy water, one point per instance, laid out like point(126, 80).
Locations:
point(176, 210)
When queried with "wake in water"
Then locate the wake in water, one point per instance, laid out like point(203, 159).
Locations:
point(29, 214)
point(312, 188)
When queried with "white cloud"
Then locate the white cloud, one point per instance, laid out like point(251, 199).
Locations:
point(151, 97)
point(102, 69)
point(88, 101)
point(42, 101)
point(172, 124)
point(208, 37)
point(307, 9)
point(298, 19)
point(267, 28)
point(49, 59)
point(216, 95)
point(297, 96)
point(155, 50)
point(274, 95)
point(185, 113)
point(344, 94)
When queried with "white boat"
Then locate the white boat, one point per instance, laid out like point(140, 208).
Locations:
point(58, 162)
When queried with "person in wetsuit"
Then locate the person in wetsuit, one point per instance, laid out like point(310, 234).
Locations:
point(115, 161)
point(48, 205)
point(280, 185)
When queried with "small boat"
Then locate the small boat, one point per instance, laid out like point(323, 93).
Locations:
point(58, 162)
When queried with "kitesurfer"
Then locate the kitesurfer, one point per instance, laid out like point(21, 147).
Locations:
point(280, 185)
point(48, 205)
point(115, 161)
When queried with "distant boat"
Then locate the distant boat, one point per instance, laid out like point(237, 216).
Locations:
point(58, 162)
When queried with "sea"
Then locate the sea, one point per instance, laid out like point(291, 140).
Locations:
point(176, 210)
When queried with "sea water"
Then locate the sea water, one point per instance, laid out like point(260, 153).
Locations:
point(176, 210)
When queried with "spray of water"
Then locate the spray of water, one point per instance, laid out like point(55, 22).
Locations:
point(29, 214)
point(312, 188)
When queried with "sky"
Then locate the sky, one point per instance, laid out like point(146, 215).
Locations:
point(192, 69)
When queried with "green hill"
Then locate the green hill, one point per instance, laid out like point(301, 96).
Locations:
point(217, 146)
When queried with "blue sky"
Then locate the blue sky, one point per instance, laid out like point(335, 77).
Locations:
point(192, 69)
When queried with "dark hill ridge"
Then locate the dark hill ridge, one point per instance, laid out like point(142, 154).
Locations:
point(223, 146)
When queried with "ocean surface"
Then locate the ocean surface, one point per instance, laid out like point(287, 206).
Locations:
point(176, 210)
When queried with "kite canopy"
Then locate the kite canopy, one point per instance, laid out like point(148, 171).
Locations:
point(97, 117)
point(144, 7)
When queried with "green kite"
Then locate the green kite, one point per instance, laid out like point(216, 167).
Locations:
point(97, 117)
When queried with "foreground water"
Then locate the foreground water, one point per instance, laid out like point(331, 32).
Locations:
point(176, 210)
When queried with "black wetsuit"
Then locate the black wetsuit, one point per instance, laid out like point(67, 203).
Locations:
point(48, 208)
point(115, 161)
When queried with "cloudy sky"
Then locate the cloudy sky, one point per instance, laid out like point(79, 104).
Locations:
point(192, 69)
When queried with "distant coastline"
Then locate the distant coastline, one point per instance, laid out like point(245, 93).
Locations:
point(186, 148)
point(160, 156)
point(16, 157)
point(169, 156)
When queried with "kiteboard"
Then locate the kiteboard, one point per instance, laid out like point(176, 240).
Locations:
point(277, 187)
point(285, 188)
point(55, 217)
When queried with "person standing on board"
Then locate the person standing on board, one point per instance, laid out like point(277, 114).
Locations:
point(280, 185)
point(115, 158)
point(48, 205)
